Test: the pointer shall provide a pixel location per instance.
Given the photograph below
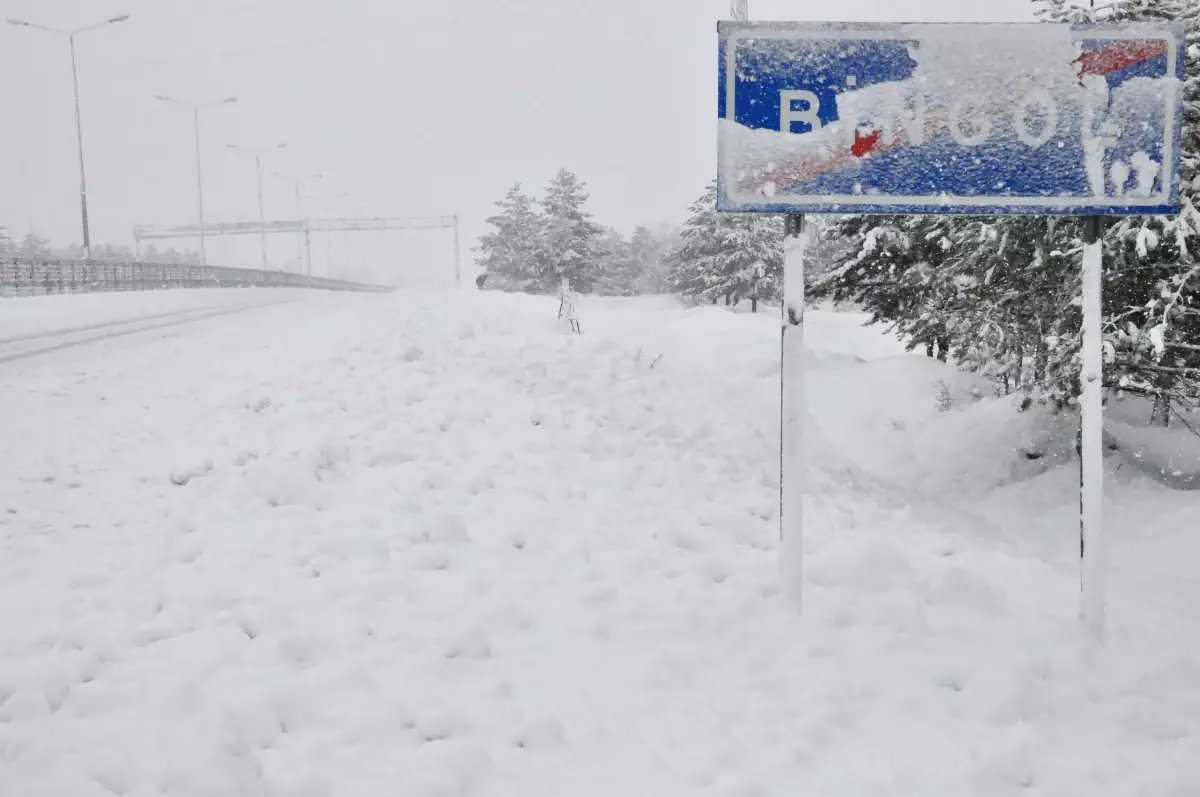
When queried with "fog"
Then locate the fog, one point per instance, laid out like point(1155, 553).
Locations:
point(405, 108)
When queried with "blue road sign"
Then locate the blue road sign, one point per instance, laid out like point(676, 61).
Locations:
point(949, 118)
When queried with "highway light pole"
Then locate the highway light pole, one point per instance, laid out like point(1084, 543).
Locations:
point(196, 109)
point(71, 34)
point(262, 216)
point(343, 206)
point(305, 238)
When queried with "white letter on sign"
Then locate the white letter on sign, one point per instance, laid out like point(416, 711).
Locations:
point(1049, 123)
point(788, 114)
point(956, 119)
point(913, 125)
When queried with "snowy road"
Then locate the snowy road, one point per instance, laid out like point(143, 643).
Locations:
point(34, 344)
point(429, 545)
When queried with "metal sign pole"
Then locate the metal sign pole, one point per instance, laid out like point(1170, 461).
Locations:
point(791, 431)
point(1091, 483)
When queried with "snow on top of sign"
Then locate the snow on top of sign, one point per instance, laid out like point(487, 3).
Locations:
point(961, 99)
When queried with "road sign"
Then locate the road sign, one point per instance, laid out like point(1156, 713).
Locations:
point(949, 118)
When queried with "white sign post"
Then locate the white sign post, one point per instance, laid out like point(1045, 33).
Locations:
point(791, 436)
point(1091, 481)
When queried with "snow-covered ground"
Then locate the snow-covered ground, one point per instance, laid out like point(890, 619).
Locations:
point(41, 315)
point(423, 544)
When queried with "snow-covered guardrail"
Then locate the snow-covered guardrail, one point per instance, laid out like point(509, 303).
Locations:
point(33, 277)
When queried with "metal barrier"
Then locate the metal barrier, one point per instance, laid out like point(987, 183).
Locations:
point(36, 277)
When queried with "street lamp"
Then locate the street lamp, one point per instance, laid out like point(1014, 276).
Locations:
point(304, 240)
point(262, 218)
point(196, 109)
point(343, 207)
point(324, 200)
point(71, 34)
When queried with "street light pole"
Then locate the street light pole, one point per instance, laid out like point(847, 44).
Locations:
point(346, 233)
point(71, 34)
point(306, 232)
point(329, 252)
point(199, 185)
point(304, 240)
point(301, 235)
point(87, 232)
point(262, 216)
point(196, 109)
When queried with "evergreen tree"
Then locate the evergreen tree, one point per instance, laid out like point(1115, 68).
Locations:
point(34, 246)
point(694, 266)
point(730, 256)
point(1015, 316)
point(70, 252)
point(111, 253)
point(752, 257)
point(510, 251)
point(618, 266)
point(1063, 11)
point(649, 249)
point(1152, 278)
point(1003, 294)
point(887, 270)
point(568, 236)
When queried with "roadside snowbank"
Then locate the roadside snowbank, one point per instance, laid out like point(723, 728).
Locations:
point(433, 545)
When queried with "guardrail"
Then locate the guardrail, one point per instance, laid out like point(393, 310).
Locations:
point(36, 277)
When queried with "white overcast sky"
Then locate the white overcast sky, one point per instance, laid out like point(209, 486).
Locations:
point(411, 108)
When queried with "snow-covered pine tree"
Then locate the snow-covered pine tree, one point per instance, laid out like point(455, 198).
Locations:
point(509, 252)
point(1073, 11)
point(1153, 270)
point(823, 250)
point(879, 268)
point(730, 256)
point(931, 290)
point(693, 267)
point(752, 257)
point(1148, 10)
point(646, 253)
point(569, 234)
point(34, 245)
point(617, 268)
point(1015, 317)
point(1005, 292)
point(114, 253)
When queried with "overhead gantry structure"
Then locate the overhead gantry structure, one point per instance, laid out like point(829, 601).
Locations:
point(304, 228)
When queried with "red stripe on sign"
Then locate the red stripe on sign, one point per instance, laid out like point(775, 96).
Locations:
point(865, 145)
point(1120, 56)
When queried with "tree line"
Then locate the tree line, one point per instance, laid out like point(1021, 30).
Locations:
point(535, 243)
point(997, 295)
point(1002, 295)
point(33, 246)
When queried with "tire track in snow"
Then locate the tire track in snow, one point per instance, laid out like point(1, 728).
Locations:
point(102, 325)
point(191, 316)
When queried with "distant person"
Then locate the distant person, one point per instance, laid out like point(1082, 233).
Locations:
point(482, 278)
